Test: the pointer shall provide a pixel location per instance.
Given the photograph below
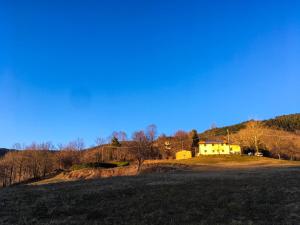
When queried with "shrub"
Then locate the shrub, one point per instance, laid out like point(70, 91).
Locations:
point(99, 165)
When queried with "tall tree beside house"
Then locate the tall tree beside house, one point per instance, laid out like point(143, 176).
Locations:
point(195, 140)
point(181, 139)
point(252, 136)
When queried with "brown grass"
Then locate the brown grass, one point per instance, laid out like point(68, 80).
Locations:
point(203, 163)
point(182, 195)
point(225, 162)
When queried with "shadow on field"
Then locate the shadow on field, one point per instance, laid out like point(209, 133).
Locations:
point(261, 196)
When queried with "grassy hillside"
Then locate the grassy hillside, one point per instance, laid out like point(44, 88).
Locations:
point(222, 131)
point(228, 161)
point(199, 164)
point(200, 196)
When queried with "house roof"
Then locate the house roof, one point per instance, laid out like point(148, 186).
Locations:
point(212, 142)
point(216, 142)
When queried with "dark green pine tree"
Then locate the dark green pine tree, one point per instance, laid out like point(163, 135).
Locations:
point(115, 142)
point(195, 138)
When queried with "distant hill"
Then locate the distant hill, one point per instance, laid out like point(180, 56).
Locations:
point(3, 151)
point(289, 123)
point(222, 131)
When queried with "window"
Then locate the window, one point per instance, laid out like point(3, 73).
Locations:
point(213, 144)
point(222, 150)
point(205, 150)
point(213, 150)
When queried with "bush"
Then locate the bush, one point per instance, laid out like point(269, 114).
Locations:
point(120, 164)
point(99, 165)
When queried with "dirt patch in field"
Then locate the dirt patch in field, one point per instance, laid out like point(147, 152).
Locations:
point(88, 174)
point(101, 173)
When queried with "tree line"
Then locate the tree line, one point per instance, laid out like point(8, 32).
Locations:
point(289, 123)
point(39, 160)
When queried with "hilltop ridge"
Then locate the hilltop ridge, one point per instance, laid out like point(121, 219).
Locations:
point(289, 123)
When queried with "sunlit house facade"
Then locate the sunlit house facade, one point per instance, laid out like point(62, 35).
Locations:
point(218, 148)
point(184, 154)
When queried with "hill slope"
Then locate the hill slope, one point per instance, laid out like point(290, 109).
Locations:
point(290, 123)
point(197, 164)
point(259, 196)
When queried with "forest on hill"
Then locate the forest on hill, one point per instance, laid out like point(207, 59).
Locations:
point(290, 123)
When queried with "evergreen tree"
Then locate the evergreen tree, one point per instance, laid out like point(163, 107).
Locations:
point(115, 142)
point(195, 138)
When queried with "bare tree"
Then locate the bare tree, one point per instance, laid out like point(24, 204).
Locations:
point(46, 159)
point(77, 145)
point(151, 132)
point(99, 149)
point(19, 160)
point(115, 134)
point(122, 136)
point(141, 147)
point(2, 173)
point(66, 156)
point(252, 136)
point(100, 141)
point(17, 146)
point(165, 147)
point(181, 139)
point(10, 168)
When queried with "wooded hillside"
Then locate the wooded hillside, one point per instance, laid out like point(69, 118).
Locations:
point(289, 123)
point(286, 122)
point(278, 137)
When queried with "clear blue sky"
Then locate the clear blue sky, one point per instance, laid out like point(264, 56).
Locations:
point(73, 69)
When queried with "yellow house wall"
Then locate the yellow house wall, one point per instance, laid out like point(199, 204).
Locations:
point(184, 154)
point(235, 149)
point(218, 149)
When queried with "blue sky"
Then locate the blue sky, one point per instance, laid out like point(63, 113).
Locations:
point(73, 69)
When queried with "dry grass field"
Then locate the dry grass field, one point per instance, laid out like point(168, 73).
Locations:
point(209, 190)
